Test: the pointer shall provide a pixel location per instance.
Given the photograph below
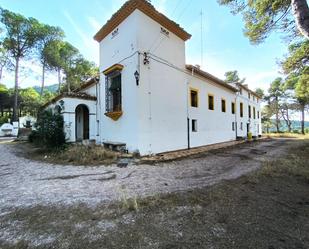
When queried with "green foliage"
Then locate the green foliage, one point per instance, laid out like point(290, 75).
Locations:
point(80, 71)
point(25, 37)
point(49, 130)
point(233, 77)
point(62, 56)
point(22, 33)
point(263, 17)
point(3, 120)
point(260, 92)
point(29, 101)
point(298, 58)
point(3, 89)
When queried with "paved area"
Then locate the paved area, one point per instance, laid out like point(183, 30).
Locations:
point(26, 183)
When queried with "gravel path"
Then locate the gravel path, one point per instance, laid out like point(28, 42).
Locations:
point(25, 183)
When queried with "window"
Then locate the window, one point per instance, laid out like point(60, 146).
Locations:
point(223, 105)
point(211, 102)
point(194, 97)
point(249, 111)
point(233, 108)
point(241, 107)
point(233, 126)
point(258, 115)
point(254, 113)
point(194, 125)
point(98, 128)
point(249, 95)
point(253, 98)
point(240, 91)
point(113, 92)
point(241, 126)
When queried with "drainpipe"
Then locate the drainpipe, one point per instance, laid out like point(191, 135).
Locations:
point(188, 117)
point(98, 124)
point(236, 125)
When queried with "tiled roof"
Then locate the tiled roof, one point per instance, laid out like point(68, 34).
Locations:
point(149, 10)
point(74, 95)
point(211, 77)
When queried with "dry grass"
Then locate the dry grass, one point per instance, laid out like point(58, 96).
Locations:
point(294, 164)
point(85, 155)
point(287, 135)
point(71, 154)
point(267, 209)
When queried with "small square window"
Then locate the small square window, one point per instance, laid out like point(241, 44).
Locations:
point(241, 107)
point(98, 128)
point(223, 105)
point(233, 108)
point(194, 125)
point(211, 102)
point(194, 98)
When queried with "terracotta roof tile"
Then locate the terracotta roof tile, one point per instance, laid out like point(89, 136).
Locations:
point(211, 77)
point(149, 10)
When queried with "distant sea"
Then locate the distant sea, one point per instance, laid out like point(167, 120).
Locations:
point(296, 125)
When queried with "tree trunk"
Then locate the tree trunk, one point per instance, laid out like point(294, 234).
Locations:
point(288, 121)
point(303, 119)
point(301, 14)
point(1, 72)
point(277, 123)
point(59, 80)
point(15, 106)
point(43, 79)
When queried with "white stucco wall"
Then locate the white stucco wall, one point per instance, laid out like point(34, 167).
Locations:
point(155, 113)
point(68, 113)
point(214, 126)
point(254, 124)
point(114, 50)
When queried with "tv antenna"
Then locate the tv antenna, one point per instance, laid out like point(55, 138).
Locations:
point(202, 41)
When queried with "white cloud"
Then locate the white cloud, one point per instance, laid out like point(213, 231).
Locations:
point(90, 47)
point(30, 75)
point(77, 29)
point(96, 26)
point(261, 79)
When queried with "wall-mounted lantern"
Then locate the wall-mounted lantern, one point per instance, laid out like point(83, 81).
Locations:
point(137, 76)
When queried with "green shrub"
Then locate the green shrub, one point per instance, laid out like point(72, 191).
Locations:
point(48, 130)
point(3, 120)
point(307, 130)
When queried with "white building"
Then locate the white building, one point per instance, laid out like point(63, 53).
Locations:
point(148, 98)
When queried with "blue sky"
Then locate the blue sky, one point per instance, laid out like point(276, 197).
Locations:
point(225, 47)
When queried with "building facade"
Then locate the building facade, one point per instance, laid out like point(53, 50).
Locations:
point(148, 98)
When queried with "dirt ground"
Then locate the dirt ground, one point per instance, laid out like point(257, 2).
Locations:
point(206, 201)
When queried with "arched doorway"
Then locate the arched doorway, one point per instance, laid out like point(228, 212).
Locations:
point(82, 122)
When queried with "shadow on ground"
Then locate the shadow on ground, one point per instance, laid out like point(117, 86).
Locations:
point(267, 209)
